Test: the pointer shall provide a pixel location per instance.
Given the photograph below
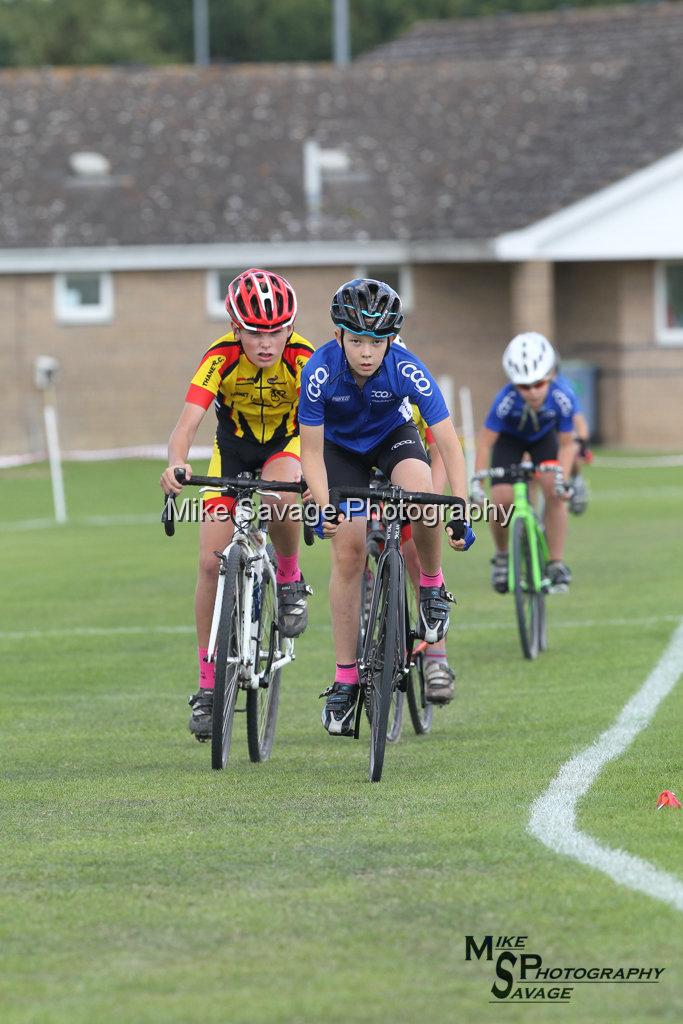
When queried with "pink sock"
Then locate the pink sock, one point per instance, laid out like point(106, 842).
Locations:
point(437, 651)
point(207, 670)
point(431, 581)
point(347, 674)
point(288, 570)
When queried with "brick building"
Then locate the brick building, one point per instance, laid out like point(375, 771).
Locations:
point(506, 173)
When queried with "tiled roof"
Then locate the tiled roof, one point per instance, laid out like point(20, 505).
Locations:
point(571, 34)
point(439, 150)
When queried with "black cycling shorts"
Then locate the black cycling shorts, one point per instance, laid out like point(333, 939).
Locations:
point(241, 455)
point(355, 469)
point(509, 450)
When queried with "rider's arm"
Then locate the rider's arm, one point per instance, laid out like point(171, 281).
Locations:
point(313, 463)
point(450, 449)
point(439, 477)
point(581, 426)
point(566, 452)
point(179, 445)
point(485, 441)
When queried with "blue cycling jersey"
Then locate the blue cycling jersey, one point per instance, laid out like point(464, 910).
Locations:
point(360, 418)
point(511, 415)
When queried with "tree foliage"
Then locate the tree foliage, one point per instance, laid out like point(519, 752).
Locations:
point(39, 32)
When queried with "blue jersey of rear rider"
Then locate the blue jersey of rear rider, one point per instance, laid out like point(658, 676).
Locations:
point(510, 413)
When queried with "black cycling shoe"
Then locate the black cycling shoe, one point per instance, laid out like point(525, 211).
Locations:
point(291, 598)
point(201, 703)
point(499, 573)
point(337, 716)
point(433, 620)
point(560, 576)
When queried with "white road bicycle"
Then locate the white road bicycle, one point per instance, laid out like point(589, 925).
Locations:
point(245, 642)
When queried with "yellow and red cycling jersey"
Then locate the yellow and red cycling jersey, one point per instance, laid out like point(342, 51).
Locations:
point(256, 403)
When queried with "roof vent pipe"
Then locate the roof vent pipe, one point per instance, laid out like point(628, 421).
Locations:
point(316, 161)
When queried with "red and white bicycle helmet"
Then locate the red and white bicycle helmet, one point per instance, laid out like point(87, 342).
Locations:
point(259, 300)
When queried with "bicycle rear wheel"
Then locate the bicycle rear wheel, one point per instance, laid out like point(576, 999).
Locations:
point(421, 713)
point(373, 552)
point(228, 646)
point(526, 596)
point(384, 647)
point(263, 703)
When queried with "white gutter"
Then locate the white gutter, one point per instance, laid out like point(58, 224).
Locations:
point(216, 256)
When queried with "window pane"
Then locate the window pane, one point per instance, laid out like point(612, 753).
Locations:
point(674, 295)
point(83, 290)
point(390, 276)
point(223, 279)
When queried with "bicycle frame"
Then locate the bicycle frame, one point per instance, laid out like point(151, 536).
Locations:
point(392, 542)
point(253, 541)
point(523, 509)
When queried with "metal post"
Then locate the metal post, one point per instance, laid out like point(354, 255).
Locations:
point(54, 455)
point(340, 32)
point(201, 32)
point(467, 416)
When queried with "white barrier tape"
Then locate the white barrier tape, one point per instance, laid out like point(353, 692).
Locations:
point(152, 451)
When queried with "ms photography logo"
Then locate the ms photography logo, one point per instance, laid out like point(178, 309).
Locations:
point(521, 977)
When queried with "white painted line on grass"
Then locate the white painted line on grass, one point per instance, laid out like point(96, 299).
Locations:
point(40, 634)
point(638, 461)
point(86, 631)
point(131, 519)
point(553, 815)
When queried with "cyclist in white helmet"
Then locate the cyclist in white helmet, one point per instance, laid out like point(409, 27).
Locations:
point(533, 415)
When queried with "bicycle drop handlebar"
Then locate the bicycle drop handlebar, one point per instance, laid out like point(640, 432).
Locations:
point(523, 471)
point(392, 494)
point(234, 486)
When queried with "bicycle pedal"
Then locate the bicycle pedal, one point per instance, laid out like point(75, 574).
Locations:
point(202, 739)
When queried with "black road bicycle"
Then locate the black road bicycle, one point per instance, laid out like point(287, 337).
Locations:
point(385, 663)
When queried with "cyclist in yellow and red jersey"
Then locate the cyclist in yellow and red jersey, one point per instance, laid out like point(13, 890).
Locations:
point(252, 376)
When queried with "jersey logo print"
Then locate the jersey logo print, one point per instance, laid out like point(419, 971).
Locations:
point(315, 382)
point(505, 406)
point(411, 371)
point(563, 401)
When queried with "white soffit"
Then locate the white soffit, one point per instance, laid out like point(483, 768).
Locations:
point(640, 217)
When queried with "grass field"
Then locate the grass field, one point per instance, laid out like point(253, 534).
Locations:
point(139, 886)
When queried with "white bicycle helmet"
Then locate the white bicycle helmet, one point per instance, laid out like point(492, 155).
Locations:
point(529, 357)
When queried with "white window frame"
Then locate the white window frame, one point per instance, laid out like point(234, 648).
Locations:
point(102, 313)
point(405, 281)
point(670, 336)
point(215, 308)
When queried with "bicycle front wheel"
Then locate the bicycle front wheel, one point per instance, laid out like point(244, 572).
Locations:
point(527, 598)
point(228, 652)
point(384, 647)
point(372, 554)
point(263, 703)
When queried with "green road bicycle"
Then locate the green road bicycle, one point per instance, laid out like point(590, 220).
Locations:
point(528, 553)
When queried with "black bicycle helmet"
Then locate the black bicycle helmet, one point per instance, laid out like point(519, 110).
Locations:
point(367, 307)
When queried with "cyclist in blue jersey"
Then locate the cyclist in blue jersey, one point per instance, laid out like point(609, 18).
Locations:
point(354, 416)
point(531, 415)
point(578, 502)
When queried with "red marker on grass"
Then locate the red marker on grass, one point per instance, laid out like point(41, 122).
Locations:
point(667, 799)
